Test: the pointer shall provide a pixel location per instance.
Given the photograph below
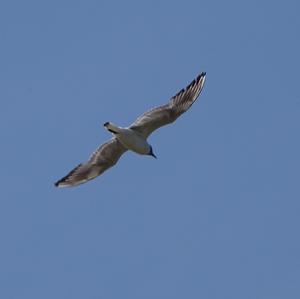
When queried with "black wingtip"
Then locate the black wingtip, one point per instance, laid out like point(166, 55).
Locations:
point(56, 184)
point(203, 74)
point(106, 124)
point(65, 178)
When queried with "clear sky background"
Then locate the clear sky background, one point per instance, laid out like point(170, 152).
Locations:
point(216, 216)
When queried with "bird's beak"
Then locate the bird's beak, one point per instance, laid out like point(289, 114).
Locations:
point(153, 155)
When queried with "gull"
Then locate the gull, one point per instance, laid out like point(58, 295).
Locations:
point(134, 137)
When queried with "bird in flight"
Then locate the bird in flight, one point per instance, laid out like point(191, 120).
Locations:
point(134, 137)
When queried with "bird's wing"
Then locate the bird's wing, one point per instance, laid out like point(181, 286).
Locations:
point(166, 114)
point(104, 157)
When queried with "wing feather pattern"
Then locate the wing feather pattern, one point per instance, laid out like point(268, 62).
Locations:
point(104, 157)
point(166, 114)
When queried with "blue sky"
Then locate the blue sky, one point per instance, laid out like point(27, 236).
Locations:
point(216, 216)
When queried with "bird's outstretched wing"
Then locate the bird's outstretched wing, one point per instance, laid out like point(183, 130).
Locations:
point(166, 114)
point(104, 157)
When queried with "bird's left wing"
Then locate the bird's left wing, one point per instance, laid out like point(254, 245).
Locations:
point(104, 157)
point(166, 114)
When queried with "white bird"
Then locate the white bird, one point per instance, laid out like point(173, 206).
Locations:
point(134, 137)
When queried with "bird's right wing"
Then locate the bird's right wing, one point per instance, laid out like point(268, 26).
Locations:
point(104, 157)
point(166, 114)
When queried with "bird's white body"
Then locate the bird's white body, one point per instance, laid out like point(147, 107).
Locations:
point(130, 139)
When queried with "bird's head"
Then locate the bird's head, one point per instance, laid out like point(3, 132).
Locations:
point(151, 153)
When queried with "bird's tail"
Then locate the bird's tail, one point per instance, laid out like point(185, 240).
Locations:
point(112, 128)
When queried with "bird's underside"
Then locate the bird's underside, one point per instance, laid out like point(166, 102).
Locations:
point(108, 154)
